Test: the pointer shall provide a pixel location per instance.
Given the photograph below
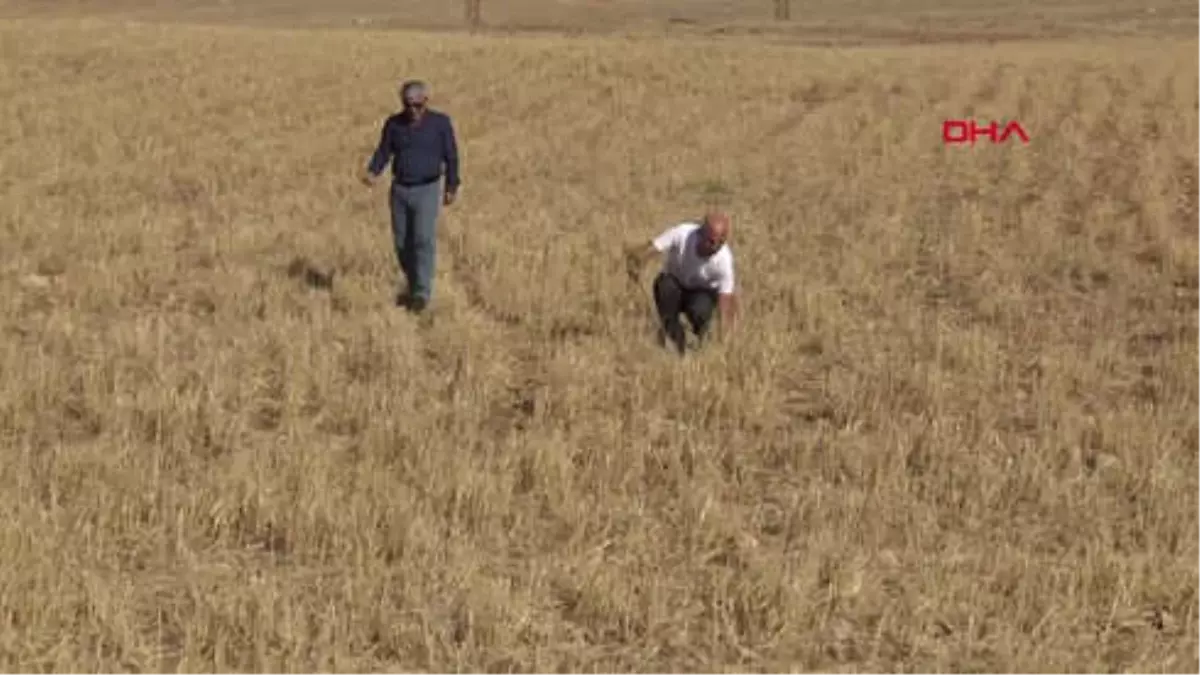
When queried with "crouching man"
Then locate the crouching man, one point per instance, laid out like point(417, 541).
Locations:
point(696, 278)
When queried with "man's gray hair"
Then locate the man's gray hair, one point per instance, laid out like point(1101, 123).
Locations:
point(414, 90)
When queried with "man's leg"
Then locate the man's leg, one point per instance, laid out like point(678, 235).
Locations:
point(699, 306)
point(401, 232)
point(426, 202)
point(668, 300)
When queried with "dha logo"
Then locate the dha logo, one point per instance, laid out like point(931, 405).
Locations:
point(956, 132)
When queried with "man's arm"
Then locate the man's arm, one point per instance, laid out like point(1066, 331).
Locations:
point(727, 300)
point(637, 255)
point(642, 253)
point(727, 304)
point(450, 157)
point(381, 156)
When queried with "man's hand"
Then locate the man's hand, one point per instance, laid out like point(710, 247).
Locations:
point(633, 267)
point(635, 259)
point(449, 196)
point(369, 179)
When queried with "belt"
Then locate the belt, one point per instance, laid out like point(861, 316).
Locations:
point(417, 183)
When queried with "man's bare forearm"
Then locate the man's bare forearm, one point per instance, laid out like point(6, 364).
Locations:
point(727, 305)
point(641, 252)
point(636, 257)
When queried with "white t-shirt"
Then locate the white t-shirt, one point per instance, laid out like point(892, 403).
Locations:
point(693, 272)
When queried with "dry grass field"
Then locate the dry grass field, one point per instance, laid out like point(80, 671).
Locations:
point(957, 430)
point(819, 22)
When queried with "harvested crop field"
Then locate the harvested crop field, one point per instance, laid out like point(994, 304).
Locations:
point(957, 429)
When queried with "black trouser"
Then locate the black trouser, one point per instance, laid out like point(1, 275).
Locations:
point(672, 299)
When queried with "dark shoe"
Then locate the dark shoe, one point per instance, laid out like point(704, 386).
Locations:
point(417, 305)
point(403, 300)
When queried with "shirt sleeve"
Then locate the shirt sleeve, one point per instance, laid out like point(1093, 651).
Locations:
point(726, 285)
point(668, 239)
point(383, 152)
point(450, 155)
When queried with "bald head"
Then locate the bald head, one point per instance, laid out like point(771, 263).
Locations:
point(714, 232)
point(718, 222)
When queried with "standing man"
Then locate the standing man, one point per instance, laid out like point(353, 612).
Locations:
point(418, 141)
point(696, 278)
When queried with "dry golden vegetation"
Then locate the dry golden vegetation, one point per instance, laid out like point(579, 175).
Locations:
point(842, 22)
point(957, 431)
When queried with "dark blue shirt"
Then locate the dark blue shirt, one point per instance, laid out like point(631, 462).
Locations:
point(417, 151)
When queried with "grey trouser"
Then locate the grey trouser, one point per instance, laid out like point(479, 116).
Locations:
point(414, 230)
point(671, 299)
